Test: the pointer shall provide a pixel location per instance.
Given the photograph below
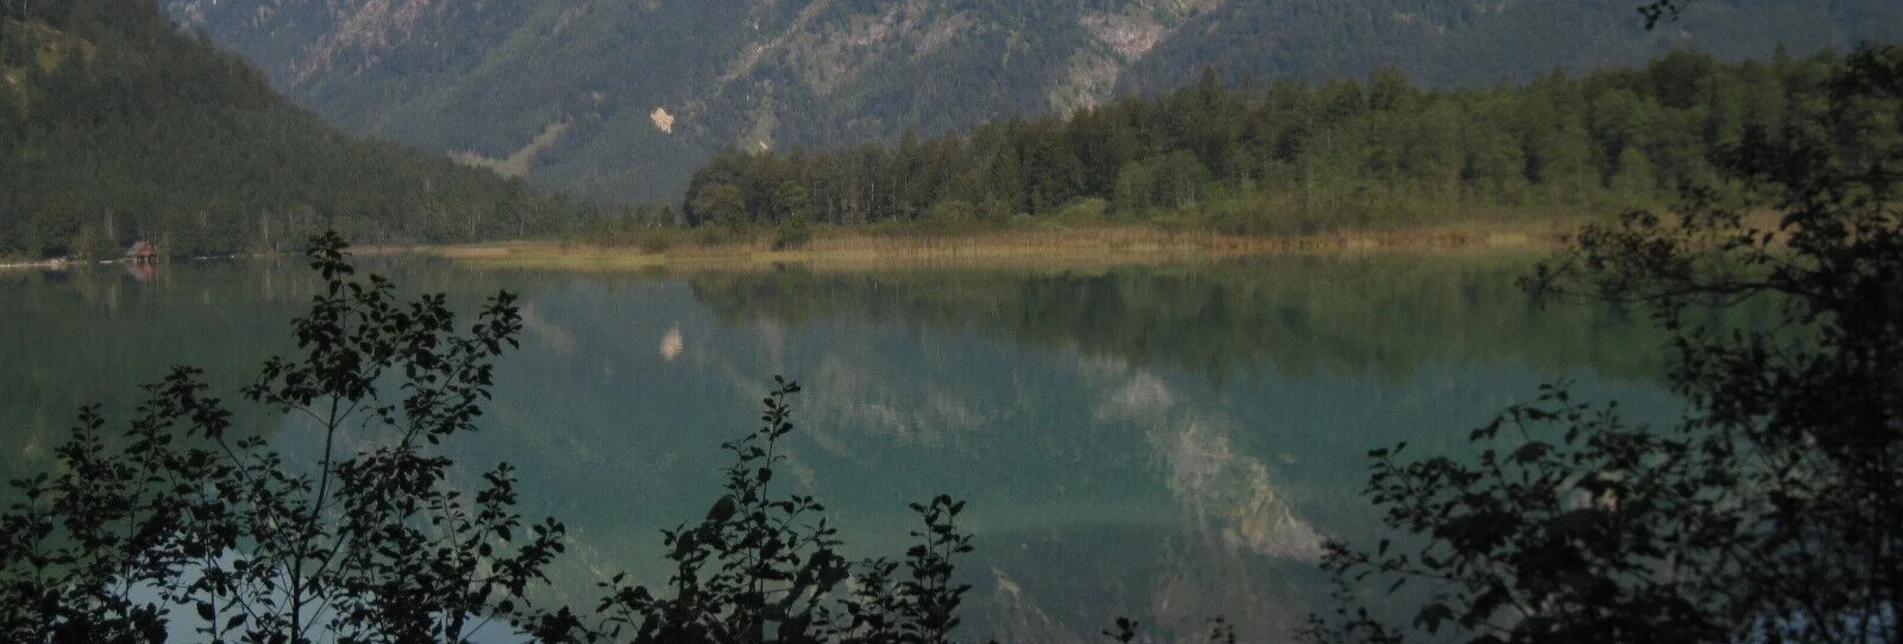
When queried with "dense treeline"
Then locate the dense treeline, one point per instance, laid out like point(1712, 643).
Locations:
point(114, 126)
point(1298, 156)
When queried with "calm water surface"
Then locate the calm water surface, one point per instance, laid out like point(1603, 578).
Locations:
point(1167, 443)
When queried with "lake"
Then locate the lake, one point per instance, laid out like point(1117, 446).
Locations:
point(1169, 443)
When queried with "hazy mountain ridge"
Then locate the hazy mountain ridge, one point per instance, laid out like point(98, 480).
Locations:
point(646, 90)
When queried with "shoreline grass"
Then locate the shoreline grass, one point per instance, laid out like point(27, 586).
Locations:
point(886, 247)
point(850, 249)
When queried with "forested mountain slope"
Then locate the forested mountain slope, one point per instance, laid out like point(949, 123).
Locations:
point(626, 98)
point(116, 126)
point(1300, 158)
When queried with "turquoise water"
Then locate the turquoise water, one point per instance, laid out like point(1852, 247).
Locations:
point(1166, 443)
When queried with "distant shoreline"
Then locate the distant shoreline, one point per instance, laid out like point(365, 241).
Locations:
point(849, 249)
point(57, 263)
point(856, 249)
point(54, 264)
point(68, 263)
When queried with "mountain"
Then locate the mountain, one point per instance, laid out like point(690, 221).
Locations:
point(116, 126)
point(625, 98)
point(1442, 43)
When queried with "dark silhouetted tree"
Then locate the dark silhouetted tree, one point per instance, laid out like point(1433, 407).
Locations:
point(1768, 512)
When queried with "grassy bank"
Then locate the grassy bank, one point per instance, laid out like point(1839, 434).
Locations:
point(851, 248)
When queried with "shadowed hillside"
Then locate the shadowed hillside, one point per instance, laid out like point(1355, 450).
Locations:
point(116, 126)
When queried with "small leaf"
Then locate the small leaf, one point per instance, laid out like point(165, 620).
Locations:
point(1432, 615)
point(1531, 452)
point(722, 510)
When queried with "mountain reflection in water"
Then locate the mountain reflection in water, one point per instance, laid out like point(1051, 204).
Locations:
point(1169, 444)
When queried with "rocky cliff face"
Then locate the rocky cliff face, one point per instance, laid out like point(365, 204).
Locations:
point(640, 91)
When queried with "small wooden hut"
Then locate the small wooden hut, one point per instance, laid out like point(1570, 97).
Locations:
point(142, 252)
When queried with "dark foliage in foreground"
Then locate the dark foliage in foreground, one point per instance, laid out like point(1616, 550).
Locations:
point(177, 517)
point(175, 524)
point(762, 567)
point(1769, 512)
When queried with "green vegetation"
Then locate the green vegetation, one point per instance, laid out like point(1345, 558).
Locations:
point(1769, 515)
point(1768, 512)
point(116, 127)
point(487, 78)
point(1296, 158)
point(186, 522)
